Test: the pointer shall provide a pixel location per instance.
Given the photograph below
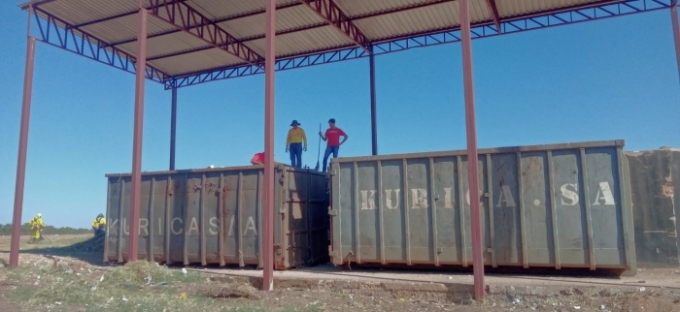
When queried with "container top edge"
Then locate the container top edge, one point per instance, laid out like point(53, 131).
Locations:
point(216, 169)
point(497, 150)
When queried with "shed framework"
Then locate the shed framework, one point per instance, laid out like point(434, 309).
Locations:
point(180, 43)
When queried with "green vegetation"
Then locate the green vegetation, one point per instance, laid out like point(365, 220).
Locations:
point(136, 286)
point(6, 229)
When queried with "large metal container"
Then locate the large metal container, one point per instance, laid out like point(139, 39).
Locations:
point(560, 206)
point(214, 216)
point(654, 175)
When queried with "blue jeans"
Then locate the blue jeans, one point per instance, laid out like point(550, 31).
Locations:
point(295, 154)
point(330, 149)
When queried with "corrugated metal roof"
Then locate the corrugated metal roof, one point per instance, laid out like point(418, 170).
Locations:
point(82, 11)
point(125, 28)
point(218, 9)
point(353, 8)
point(300, 29)
point(303, 42)
point(286, 19)
point(510, 8)
point(165, 45)
point(194, 62)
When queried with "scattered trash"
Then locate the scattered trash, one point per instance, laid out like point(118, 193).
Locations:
point(101, 279)
point(148, 279)
point(59, 303)
point(183, 296)
point(125, 299)
point(602, 307)
point(516, 301)
point(402, 299)
point(110, 299)
point(577, 307)
point(642, 289)
point(184, 271)
point(450, 277)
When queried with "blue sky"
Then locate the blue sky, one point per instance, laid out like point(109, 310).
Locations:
point(609, 79)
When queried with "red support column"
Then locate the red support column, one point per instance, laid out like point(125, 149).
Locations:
point(23, 145)
point(374, 109)
point(135, 187)
point(676, 33)
point(475, 218)
point(173, 128)
point(268, 231)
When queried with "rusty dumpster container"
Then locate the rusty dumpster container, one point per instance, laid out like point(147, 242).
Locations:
point(555, 206)
point(213, 216)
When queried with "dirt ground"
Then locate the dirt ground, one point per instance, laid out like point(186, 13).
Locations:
point(67, 273)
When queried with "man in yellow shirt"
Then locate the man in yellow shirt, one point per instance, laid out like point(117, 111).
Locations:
point(296, 137)
point(99, 225)
point(36, 224)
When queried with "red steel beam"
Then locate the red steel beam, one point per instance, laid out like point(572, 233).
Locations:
point(136, 183)
point(173, 128)
point(494, 12)
point(473, 183)
point(330, 11)
point(676, 33)
point(268, 211)
point(186, 18)
point(23, 146)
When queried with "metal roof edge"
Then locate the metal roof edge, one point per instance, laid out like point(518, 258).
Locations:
point(497, 150)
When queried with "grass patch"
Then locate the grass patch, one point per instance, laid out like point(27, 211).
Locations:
point(136, 286)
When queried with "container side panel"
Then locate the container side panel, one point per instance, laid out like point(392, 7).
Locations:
point(484, 206)
point(210, 223)
point(536, 196)
point(392, 204)
point(571, 216)
point(448, 211)
point(193, 218)
point(113, 219)
point(606, 208)
point(144, 214)
point(177, 217)
point(249, 224)
point(157, 218)
point(346, 209)
point(652, 176)
point(418, 203)
point(230, 228)
point(296, 205)
point(368, 212)
point(505, 207)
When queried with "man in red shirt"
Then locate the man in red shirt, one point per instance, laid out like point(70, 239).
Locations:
point(332, 136)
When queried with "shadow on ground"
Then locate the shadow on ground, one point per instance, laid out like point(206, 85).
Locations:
point(90, 251)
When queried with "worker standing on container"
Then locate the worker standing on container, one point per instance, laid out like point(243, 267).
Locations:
point(99, 225)
point(332, 136)
point(296, 137)
point(36, 224)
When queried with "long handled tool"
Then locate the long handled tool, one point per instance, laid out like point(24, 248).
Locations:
point(318, 155)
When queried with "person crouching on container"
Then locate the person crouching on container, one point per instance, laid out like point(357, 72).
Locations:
point(99, 225)
point(36, 224)
point(258, 159)
point(332, 136)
